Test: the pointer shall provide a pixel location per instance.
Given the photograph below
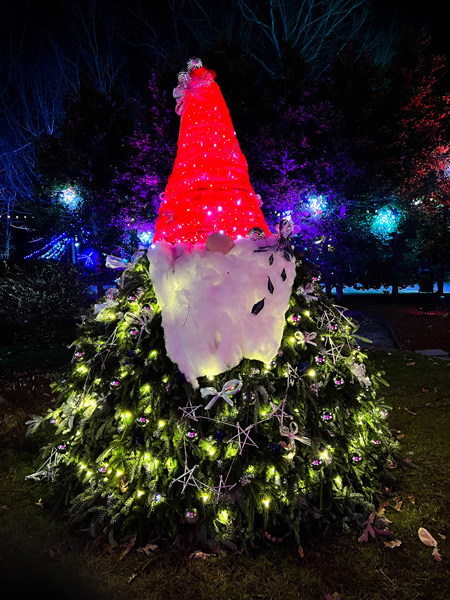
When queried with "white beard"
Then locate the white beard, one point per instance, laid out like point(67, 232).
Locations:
point(206, 299)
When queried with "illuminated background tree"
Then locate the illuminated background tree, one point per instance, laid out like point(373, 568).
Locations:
point(285, 96)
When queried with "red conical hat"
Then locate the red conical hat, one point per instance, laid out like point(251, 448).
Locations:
point(209, 189)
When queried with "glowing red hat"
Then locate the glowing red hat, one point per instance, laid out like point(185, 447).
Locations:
point(209, 189)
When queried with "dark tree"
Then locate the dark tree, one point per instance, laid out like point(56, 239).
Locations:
point(89, 144)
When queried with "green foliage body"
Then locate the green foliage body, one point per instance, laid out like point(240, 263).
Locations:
point(125, 444)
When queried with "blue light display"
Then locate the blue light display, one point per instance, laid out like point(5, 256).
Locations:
point(89, 258)
point(385, 222)
point(145, 236)
point(317, 205)
point(70, 197)
point(54, 249)
point(58, 245)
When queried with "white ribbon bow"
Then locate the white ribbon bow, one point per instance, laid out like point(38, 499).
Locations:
point(306, 338)
point(291, 433)
point(113, 262)
point(306, 292)
point(359, 371)
point(229, 389)
point(188, 87)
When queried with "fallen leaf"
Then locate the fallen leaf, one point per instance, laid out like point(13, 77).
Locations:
point(436, 555)
point(435, 390)
point(200, 555)
point(393, 543)
point(300, 551)
point(369, 528)
point(411, 364)
point(443, 537)
point(335, 596)
point(148, 548)
point(40, 503)
point(400, 436)
point(425, 391)
point(275, 540)
point(61, 549)
point(382, 521)
point(133, 576)
point(398, 503)
point(128, 545)
point(412, 498)
point(426, 537)
point(410, 411)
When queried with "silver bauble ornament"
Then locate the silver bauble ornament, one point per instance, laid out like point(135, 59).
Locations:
point(249, 397)
point(339, 382)
point(256, 233)
point(294, 318)
point(191, 434)
point(191, 516)
point(327, 416)
point(317, 464)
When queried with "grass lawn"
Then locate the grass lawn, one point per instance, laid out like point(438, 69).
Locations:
point(38, 553)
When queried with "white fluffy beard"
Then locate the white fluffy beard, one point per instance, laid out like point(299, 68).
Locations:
point(206, 299)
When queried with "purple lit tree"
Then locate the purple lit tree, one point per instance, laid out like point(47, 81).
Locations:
point(307, 167)
point(140, 181)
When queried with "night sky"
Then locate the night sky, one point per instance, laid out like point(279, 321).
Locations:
point(32, 17)
point(430, 14)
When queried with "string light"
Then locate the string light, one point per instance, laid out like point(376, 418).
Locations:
point(53, 250)
point(56, 248)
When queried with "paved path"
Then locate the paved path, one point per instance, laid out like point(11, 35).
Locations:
point(375, 328)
